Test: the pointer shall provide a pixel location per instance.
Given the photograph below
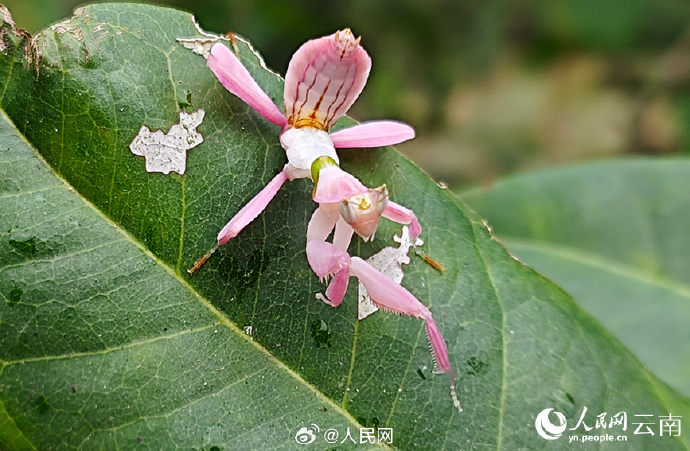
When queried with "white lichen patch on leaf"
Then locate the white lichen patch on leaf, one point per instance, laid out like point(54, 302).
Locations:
point(167, 152)
point(200, 46)
point(389, 261)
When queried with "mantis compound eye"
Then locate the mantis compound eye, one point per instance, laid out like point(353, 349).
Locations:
point(363, 211)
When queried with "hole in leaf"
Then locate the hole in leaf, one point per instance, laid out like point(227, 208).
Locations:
point(27, 247)
point(42, 405)
point(477, 366)
point(15, 296)
point(320, 333)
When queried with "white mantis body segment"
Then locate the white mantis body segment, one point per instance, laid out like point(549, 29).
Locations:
point(324, 78)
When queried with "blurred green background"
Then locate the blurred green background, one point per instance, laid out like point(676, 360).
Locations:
point(492, 87)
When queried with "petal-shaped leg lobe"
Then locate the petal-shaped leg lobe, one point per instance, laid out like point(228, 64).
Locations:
point(343, 234)
point(372, 134)
point(252, 209)
point(322, 222)
point(326, 260)
point(401, 215)
point(337, 288)
point(237, 79)
point(385, 292)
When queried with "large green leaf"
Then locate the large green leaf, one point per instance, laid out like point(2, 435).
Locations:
point(108, 343)
point(615, 236)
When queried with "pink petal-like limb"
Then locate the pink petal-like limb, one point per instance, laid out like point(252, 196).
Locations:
point(385, 293)
point(237, 79)
point(326, 260)
point(389, 295)
point(334, 185)
point(337, 288)
point(322, 222)
point(343, 234)
point(252, 209)
point(372, 134)
point(401, 215)
point(321, 225)
point(324, 78)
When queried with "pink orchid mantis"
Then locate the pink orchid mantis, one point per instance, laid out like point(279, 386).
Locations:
point(324, 78)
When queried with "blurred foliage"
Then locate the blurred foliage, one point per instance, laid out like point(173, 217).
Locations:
point(492, 87)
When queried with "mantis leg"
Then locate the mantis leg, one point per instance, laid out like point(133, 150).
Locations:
point(250, 211)
point(246, 215)
point(343, 234)
point(327, 260)
point(387, 294)
point(237, 79)
point(372, 134)
point(402, 215)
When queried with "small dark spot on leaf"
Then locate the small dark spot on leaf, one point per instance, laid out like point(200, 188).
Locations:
point(362, 421)
point(565, 403)
point(214, 448)
point(421, 373)
point(165, 329)
point(42, 405)
point(477, 366)
point(25, 247)
point(570, 398)
point(14, 296)
point(375, 422)
point(320, 333)
point(186, 101)
point(74, 388)
point(139, 439)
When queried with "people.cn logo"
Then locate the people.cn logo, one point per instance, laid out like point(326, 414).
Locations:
point(546, 428)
